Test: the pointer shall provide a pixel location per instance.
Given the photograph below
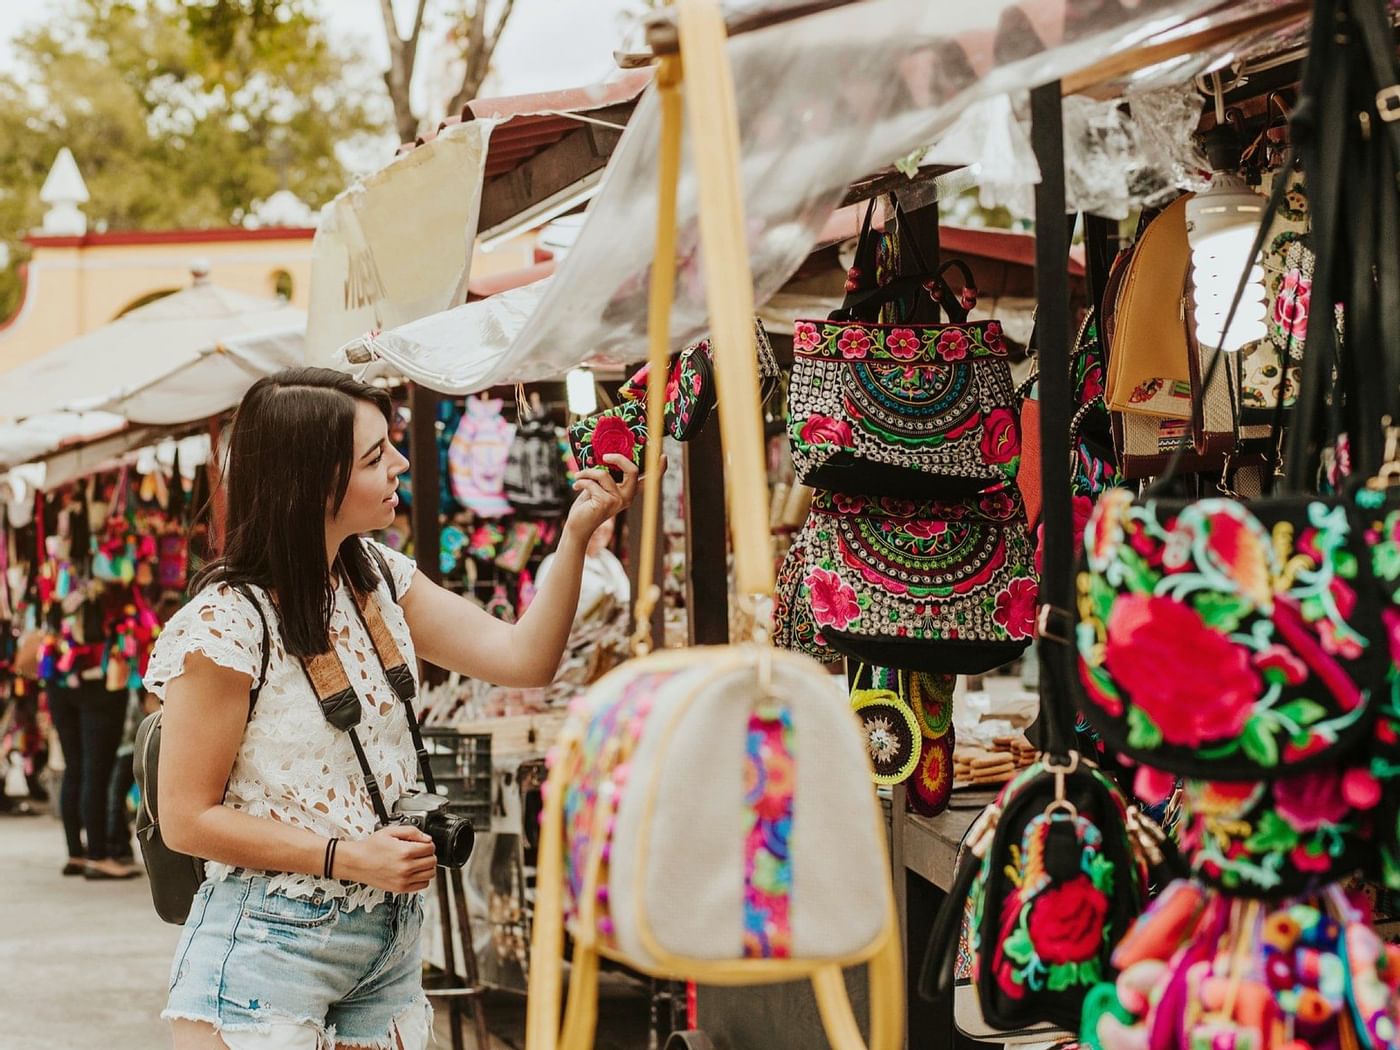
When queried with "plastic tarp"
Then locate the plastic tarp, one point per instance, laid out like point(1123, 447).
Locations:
point(823, 101)
point(398, 244)
point(176, 360)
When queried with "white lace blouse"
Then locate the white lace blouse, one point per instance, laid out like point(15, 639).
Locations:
point(292, 765)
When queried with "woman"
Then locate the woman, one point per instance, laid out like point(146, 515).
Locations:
point(274, 953)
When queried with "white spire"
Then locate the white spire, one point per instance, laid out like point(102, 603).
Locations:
point(64, 190)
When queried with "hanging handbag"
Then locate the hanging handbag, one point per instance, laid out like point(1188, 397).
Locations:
point(1155, 384)
point(690, 386)
point(1269, 607)
point(782, 870)
point(905, 409)
point(931, 586)
point(1056, 871)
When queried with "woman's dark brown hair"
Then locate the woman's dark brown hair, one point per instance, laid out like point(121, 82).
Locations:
point(290, 457)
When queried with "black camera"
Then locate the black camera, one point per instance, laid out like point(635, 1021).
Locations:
point(453, 836)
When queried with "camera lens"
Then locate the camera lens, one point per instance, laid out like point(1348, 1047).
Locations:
point(454, 838)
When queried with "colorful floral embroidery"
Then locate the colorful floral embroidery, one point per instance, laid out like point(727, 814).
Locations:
point(886, 567)
point(896, 342)
point(1213, 640)
point(621, 430)
point(925, 401)
point(1054, 932)
point(602, 738)
point(768, 794)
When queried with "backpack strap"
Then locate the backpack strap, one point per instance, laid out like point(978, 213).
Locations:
point(261, 680)
point(383, 563)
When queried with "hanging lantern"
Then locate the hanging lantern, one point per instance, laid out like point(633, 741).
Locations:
point(1221, 225)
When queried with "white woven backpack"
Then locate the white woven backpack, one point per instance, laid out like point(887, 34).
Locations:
point(709, 813)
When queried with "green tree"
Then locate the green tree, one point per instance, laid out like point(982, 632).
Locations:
point(180, 115)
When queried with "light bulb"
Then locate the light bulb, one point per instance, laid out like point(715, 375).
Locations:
point(1221, 225)
point(583, 396)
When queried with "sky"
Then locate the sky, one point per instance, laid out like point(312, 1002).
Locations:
point(548, 44)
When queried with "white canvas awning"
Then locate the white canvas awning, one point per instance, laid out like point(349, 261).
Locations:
point(179, 359)
point(398, 244)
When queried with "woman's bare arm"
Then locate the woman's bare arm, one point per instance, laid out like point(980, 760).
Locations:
point(205, 713)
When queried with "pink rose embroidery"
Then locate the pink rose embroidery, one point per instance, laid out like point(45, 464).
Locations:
point(823, 430)
point(1195, 684)
point(903, 343)
point(1015, 608)
point(805, 336)
point(854, 343)
point(925, 528)
point(1291, 306)
point(1001, 439)
point(833, 601)
point(951, 345)
point(848, 504)
point(992, 335)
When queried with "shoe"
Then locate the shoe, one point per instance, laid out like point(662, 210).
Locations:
point(75, 867)
point(101, 875)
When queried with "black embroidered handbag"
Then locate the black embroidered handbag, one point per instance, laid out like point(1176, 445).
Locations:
point(931, 585)
point(1054, 873)
point(906, 409)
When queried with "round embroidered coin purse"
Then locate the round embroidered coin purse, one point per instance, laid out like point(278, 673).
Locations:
point(931, 786)
point(931, 696)
point(890, 731)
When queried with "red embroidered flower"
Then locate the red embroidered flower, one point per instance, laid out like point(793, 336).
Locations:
point(899, 508)
point(823, 430)
point(1015, 608)
point(612, 436)
point(903, 343)
point(1289, 670)
point(925, 528)
point(847, 504)
point(854, 343)
point(1291, 306)
point(1001, 439)
point(1310, 800)
point(998, 504)
point(1193, 683)
point(805, 336)
point(993, 337)
point(951, 345)
point(1066, 922)
point(1305, 859)
point(833, 601)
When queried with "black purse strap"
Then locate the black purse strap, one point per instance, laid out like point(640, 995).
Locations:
point(1055, 644)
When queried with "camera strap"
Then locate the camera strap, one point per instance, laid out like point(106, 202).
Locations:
point(342, 706)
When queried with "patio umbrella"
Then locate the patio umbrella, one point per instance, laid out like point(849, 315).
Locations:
point(181, 358)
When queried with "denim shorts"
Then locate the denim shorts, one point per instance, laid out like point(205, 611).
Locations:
point(271, 972)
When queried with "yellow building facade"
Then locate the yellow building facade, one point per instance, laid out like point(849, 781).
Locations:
point(74, 284)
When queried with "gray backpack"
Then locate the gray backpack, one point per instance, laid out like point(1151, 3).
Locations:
point(175, 877)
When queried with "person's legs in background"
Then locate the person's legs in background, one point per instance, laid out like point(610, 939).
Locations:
point(63, 709)
point(102, 715)
point(119, 843)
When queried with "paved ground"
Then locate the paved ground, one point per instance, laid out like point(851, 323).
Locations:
point(84, 965)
